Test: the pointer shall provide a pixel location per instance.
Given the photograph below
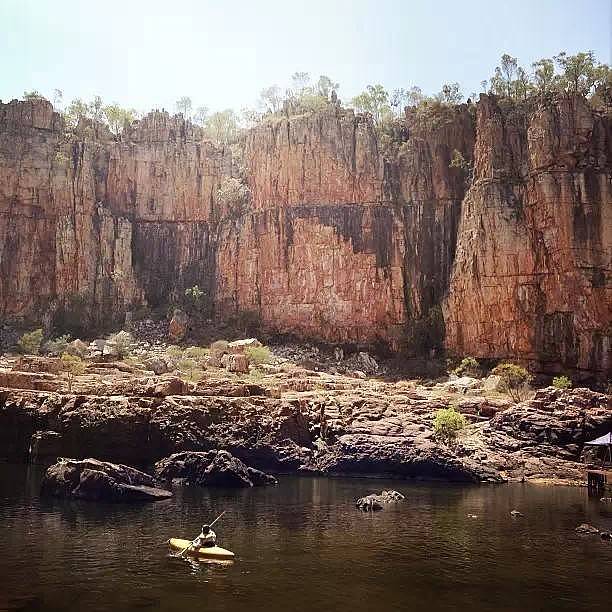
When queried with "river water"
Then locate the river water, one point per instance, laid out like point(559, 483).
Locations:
point(303, 546)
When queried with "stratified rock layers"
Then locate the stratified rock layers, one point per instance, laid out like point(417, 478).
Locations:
point(336, 243)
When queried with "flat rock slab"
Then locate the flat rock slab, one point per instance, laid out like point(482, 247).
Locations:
point(95, 480)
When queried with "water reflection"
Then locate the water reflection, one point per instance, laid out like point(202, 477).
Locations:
point(302, 545)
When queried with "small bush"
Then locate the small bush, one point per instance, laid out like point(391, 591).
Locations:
point(56, 346)
point(468, 367)
point(195, 300)
point(562, 382)
point(514, 380)
point(258, 354)
point(219, 346)
point(72, 366)
point(190, 369)
point(448, 422)
point(197, 353)
point(29, 343)
point(120, 344)
point(174, 351)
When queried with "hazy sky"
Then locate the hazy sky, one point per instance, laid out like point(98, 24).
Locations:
point(146, 54)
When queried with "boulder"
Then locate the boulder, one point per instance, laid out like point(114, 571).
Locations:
point(94, 480)
point(492, 383)
point(210, 468)
point(377, 501)
point(45, 446)
point(168, 386)
point(369, 503)
point(237, 363)
point(158, 364)
point(179, 324)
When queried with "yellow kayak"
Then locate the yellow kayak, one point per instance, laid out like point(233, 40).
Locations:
point(209, 552)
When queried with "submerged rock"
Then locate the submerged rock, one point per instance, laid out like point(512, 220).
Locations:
point(375, 501)
point(210, 468)
point(95, 480)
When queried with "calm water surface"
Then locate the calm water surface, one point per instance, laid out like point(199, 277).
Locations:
point(303, 546)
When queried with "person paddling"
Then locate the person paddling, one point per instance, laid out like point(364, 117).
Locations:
point(206, 539)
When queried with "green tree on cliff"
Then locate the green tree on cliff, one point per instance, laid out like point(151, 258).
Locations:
point(29, 343)
point(77, 110)
point(450, 94)
point(183, 105)
point(375, 101)
point(544, 78)
point(222, 127)
point(580, 72)
point(33, 95)
point(200, 115)
point(271, 99)
point(117, 117)
point(326, 87)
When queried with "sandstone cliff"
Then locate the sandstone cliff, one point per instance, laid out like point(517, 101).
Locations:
point(533, 272)
point(338, 242)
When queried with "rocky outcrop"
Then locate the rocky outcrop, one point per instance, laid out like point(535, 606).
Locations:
point(542, 438)
point(94, 480)
point(303, 421)
point(212, 468)
point(337, 241)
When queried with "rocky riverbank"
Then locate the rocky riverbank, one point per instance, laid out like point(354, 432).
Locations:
point(287, 418)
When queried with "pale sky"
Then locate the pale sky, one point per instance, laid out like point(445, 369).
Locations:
point(146, 54)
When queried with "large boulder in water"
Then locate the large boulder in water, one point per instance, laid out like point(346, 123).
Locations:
point(210, 468)
point(95, 480)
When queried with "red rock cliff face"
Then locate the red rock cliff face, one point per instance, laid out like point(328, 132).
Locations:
point(337, 243)
point(533, 271)
point(103, 223)
point(320, 254)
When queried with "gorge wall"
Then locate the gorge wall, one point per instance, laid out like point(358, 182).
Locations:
point(337, 242)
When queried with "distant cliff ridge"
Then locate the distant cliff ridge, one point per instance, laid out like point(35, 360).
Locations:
point(506, 256)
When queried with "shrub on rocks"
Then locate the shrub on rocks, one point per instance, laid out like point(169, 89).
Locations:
point(56, 346)
point(562, 382)
point(77, 347)
point(29, 343)
point(197, 353)
point(190, 369)
point(119, 345)
point(448, 422)
point(514, 380)
point(219, 346)
point(468, 367)
point(258, 354)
